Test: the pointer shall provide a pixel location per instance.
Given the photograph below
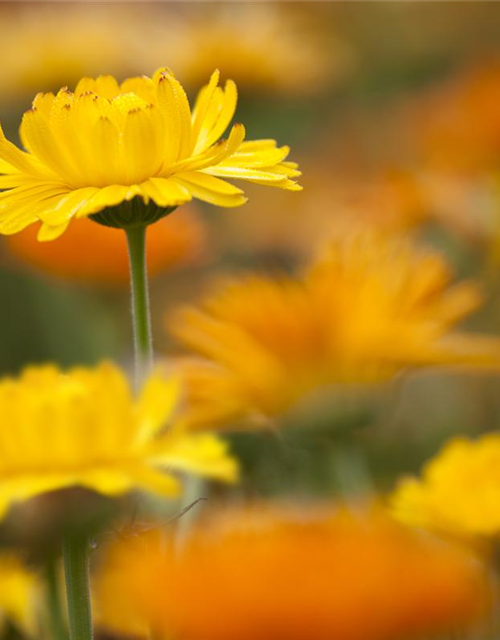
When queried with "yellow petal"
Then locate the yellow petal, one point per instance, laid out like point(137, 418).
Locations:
point(202, 107)
point(47, 232)
point(157, 402)
point(166, 192)
point(174, 105)
point(210, 189)
point(68, 206)
point(203, 454)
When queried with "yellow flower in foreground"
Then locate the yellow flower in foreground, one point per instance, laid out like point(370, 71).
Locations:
point(459, 491)
point(279, 574)
point(19, 594)
point(83, 428)
point(370, 308)
point(106, 144)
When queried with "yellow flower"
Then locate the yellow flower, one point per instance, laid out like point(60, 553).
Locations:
point(273, 573)
point(19, 594)
point(459, 491)
point(107, 144)
point(371, 307)
point(83, 428)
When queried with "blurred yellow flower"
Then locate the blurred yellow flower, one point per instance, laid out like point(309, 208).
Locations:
point(48, 46)
point(108, 144)
point(172, 243)
point(459, 491)
point(372, 306)
point(274, 573)
point(256, 44)
point(83, 428)
point(19, 594)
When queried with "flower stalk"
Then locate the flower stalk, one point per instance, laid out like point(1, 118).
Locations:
point(76, 569)
point(55, 619)
point(141, 317)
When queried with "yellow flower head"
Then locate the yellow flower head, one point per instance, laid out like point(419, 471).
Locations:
point(370, 307)
point(84, 428)
point(273, 573)
point(459, 491)
point(106, 144)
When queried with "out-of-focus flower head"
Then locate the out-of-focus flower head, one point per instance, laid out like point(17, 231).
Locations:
point(19, 594)
point(458, 492)
point(455, 134)
point(370, 307)
point(45, 46)
point(262, 47)
point(281, 574)
point(458, 124)
point(108, 144)
point(95, 254)
point(83, 428)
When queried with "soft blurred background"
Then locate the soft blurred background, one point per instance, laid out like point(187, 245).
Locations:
point(393, 112)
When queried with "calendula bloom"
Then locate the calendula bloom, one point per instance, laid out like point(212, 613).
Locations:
point(172, 243)
point(370, 307)
point(83, 428)
point(19, 594)
point(458, 492)
point(274, 574)
point(107, 144)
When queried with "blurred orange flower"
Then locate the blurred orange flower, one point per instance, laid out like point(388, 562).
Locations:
point(278, 574)
point(370, 307)
point(458, 124)
point(92, 253)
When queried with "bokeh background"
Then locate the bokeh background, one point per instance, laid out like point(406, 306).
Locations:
point(393, 112)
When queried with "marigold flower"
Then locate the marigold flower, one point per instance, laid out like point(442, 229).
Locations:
point(171, 244)
point(372, 306)
point(83, 428)
point(107, 144)
point(458, 492)
point(276, 574)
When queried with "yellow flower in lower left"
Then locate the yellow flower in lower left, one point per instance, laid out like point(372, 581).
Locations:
point(20, 594)
point(85, 428)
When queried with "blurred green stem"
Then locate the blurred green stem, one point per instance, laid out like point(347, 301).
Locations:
point(56, 621)
point(76, 570)
point(143, 343)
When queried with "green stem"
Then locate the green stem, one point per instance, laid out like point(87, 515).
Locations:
point(76, 569)
point(143, 343)
point(56, 621)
